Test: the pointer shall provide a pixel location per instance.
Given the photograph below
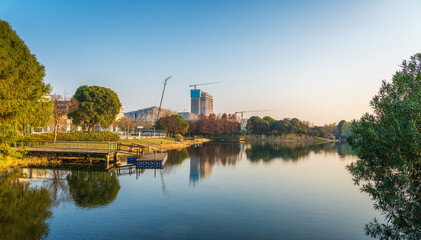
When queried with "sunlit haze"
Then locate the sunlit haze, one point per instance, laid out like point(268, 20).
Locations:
point(320, 61)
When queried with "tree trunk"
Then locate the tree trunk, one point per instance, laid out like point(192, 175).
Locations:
point(55, 130)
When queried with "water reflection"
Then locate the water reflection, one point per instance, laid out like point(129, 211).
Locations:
point(93, 189)
point(395, 190)
point(23, 209)
point(202, 159)
point(268, 151)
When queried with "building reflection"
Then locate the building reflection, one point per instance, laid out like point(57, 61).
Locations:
point(199, 169)
point(203, 159)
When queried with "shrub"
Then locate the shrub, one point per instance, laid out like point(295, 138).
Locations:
point(76, 136)
point(178, 137)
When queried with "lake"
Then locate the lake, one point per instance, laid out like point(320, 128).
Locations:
point(214, 191)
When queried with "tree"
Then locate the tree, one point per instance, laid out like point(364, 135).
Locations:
point(256, 125)
point(173, 124)
point(23, 93)
point(124, 123)
point(96, 106)
point(388, 143)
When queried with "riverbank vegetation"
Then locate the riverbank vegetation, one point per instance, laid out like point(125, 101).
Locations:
point(295, 127)
point(213, 125)
point(75, 136)
point(388, 143)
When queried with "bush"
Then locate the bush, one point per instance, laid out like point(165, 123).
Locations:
point(76, 136)
point(178, 137)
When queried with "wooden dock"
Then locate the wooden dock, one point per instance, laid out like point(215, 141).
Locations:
point(76, 151)
point(89, 151)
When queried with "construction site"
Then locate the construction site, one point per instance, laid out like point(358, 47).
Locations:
point(201, 104)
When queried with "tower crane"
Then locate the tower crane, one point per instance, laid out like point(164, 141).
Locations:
point(162, 96)
point(242, 112)
point(202, 84)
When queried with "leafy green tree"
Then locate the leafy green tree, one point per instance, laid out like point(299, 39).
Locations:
point(96, 106)
point(23, 93)
point(256, 125)
point(388, 143)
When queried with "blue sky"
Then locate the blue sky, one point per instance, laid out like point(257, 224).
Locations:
point(320, 61)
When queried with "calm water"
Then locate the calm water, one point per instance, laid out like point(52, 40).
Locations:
point(215, 191)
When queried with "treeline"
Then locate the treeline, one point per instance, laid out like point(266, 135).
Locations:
point(215, 125)
point(270, 126)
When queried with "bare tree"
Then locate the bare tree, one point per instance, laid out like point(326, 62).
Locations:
point(62, 105)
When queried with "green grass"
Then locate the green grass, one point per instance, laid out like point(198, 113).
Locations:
point(149, 141)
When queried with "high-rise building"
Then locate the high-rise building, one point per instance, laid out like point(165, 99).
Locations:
point(201, 102)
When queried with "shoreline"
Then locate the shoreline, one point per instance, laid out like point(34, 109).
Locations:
point(165, 144)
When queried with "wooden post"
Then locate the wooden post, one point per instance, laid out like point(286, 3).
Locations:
point(107, 159)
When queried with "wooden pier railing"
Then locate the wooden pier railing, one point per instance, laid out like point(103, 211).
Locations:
point(79, 146)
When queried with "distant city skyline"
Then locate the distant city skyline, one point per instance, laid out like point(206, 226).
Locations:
point(318, 61)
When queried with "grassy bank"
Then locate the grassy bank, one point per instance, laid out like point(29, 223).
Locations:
point(165, 143)
point(7, 162)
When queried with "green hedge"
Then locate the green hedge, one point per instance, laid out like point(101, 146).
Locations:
point(76, 136)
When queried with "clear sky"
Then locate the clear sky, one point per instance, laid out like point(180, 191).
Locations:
point(320, 61)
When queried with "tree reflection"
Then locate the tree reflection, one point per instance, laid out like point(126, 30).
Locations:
point(395, 189)
point(176, 157)
point(268, 151)
point(23, 209)
point(59, 190)
point(93, 189)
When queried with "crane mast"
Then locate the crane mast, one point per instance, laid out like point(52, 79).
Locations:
point(162, 96)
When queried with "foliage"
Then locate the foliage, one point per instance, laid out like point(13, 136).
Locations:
point(124, 123)
point(388, 143)
point(23, 94)
point(96, 106)
point(270, 126)
point(256, 125)
point(23, 209)
point(76, 136)
point(178, 137)
point(343, 129)
point(213, 125)
point(93, 189)
point(8, 135)
point(173, 124)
